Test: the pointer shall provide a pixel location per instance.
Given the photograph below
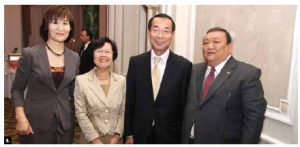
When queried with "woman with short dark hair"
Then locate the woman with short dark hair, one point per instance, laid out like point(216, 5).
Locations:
point(99, 97)
point(46, 113)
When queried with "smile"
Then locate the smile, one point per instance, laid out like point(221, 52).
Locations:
point(159, 42)
point(103, 60)
point(60, 34)
point(211, 53)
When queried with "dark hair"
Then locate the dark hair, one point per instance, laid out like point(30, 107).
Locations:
point(54, 13)
point(161, 15)
point(98, 43)
point(88, 32)
point(216, 29)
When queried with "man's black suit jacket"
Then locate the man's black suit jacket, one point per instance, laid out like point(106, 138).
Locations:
point(166, 110)
point(86, 59)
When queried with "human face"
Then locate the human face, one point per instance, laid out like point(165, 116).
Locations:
point(59, 29)
point(215, 48)
point(103, 57)
point(160, 35)
point(84, 37)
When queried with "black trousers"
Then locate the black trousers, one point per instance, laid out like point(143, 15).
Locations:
point(191, 141)
point(225, 141)
point(55, 135)
point(153, 139)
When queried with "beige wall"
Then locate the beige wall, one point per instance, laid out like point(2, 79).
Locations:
point(127, 26)
point(12, 28)
point(264, 37)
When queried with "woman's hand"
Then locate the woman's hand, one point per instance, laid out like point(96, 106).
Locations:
point(115, 139)
point(96, 141)
point(22, 127)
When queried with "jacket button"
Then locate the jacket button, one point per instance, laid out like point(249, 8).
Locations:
point(106, 111)
point(106, 121)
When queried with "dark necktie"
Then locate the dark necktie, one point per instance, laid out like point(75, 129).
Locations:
point(207, 83)
point(81, 50)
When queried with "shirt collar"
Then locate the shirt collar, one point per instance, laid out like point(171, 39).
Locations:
point(219, 67)
point(85, 45)
point(164, 56)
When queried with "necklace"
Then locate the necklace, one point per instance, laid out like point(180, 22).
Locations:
point(56, 54)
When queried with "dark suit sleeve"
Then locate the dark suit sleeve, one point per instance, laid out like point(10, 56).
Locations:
point(130, 99)
point(188, 77)
point(22, 75)
point(254, 107)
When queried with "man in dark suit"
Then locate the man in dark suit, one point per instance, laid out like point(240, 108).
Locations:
point(86, 62)
point(156, 88)
point(229, 106)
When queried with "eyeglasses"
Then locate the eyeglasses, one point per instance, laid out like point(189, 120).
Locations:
point(163, 32)
point(105, 52)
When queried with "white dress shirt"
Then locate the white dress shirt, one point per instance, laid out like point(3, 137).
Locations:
point(84, 48)
point(86, 45)
point(162, 63)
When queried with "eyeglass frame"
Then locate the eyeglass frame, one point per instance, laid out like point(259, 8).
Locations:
point(157, 31)
point(103, 51)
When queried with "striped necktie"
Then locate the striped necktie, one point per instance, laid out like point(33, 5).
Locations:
point(207, 83)
point(156, 77)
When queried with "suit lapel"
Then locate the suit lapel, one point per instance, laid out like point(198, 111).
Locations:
point(96, 88)
point(113, 87)
point(69, 67)
point(146, 68)
point(225, 73)
point(200, 74)
point(168, 72)
point(45, 67)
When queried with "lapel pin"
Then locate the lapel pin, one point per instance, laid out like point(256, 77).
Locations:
point(228, 72)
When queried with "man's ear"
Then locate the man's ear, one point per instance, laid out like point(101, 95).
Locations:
point(148, 34)
point(230, 47)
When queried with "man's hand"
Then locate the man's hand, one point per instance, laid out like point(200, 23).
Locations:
point(129, 140)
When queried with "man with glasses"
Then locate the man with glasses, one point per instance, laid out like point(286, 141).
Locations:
point(157, 83)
